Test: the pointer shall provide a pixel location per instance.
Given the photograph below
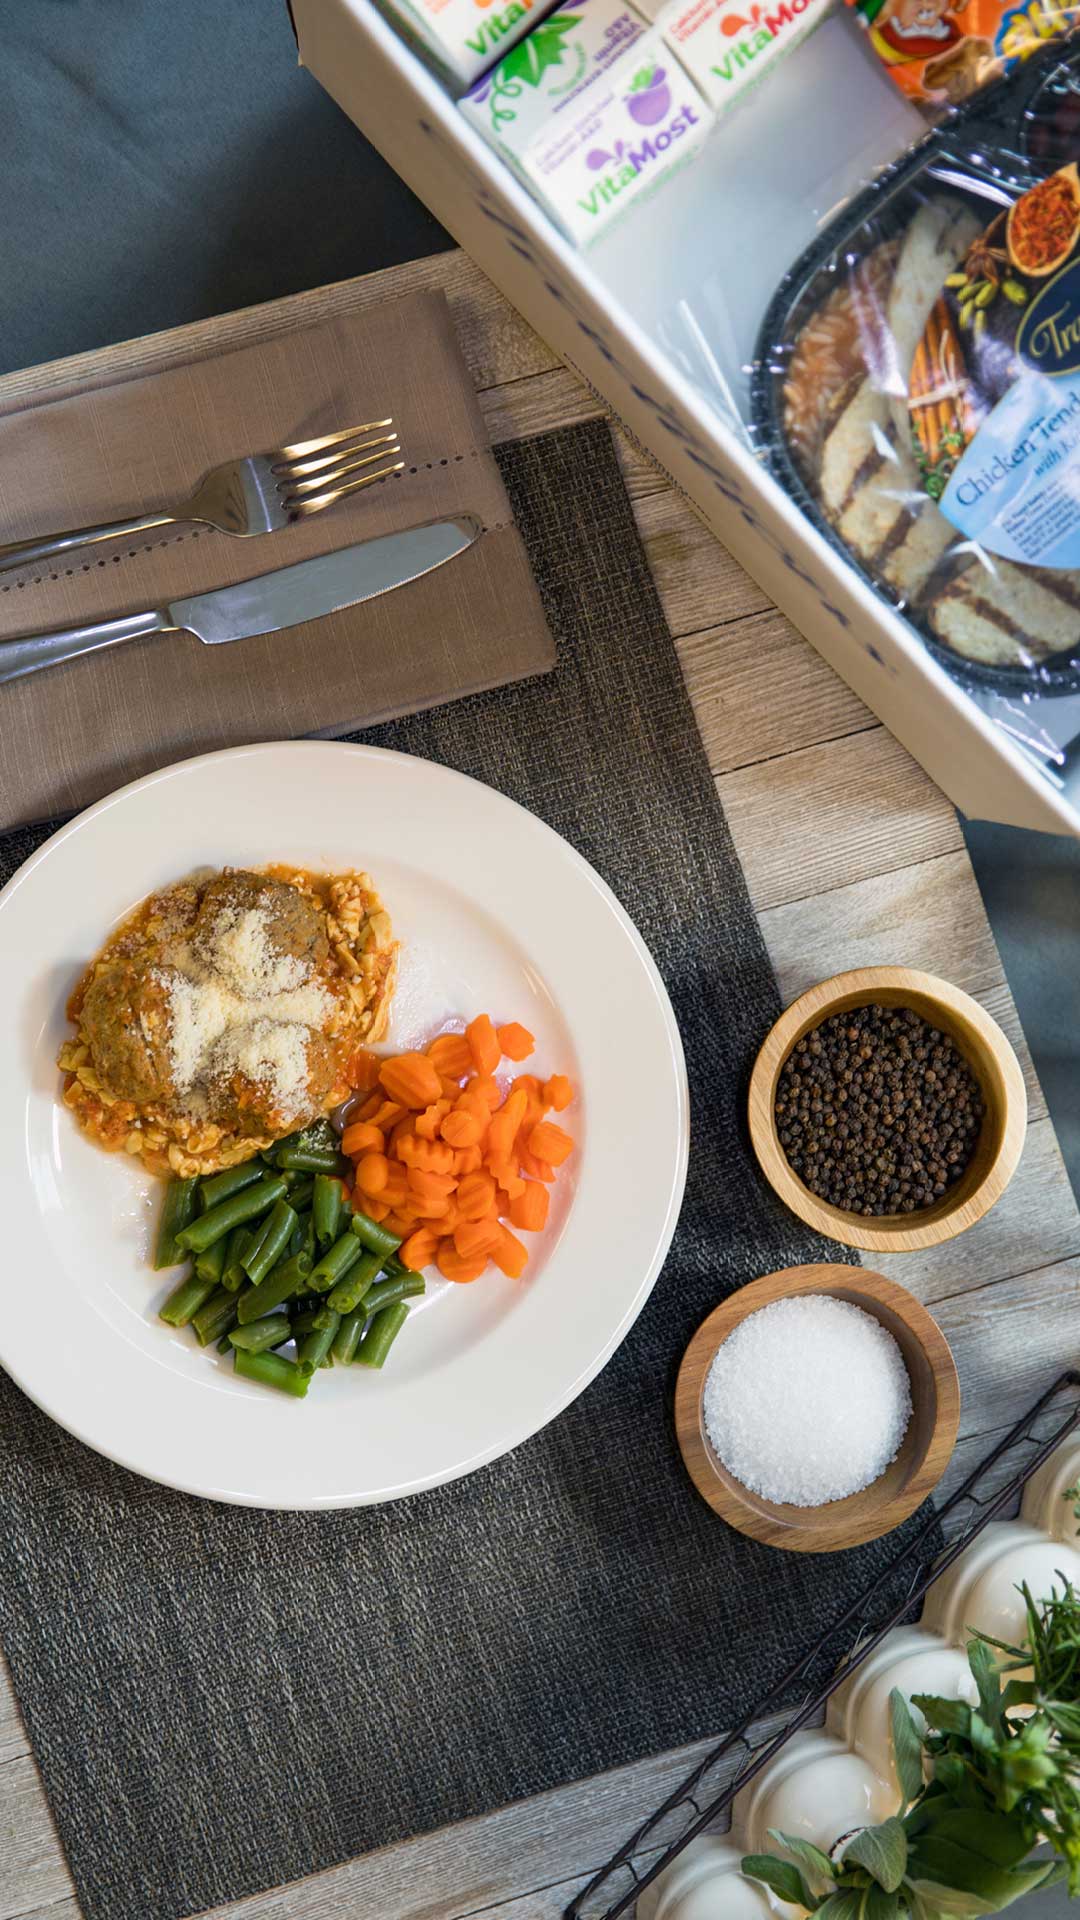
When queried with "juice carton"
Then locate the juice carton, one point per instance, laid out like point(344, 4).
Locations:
point(728, 45)
point(462, 38)
point(592, 111)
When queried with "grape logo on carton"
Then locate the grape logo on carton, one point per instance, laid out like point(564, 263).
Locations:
point(648, 101)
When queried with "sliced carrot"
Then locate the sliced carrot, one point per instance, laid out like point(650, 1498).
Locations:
point(376, 1210)
point(530, 1210)
point(373, 1173)
point(467, 1160)
point(509, 1255)
point(453, 1267)
point(370, 1107)
point(412, 1079)
point(430, 1186)
point(432, 1209)
point(515, 1041)
point(451, 1055)
point(362, 1138)
point(401, 1223)
point(510, 1186)
point(461, 1129)
point(475, 1195)
point(549, 1142)
point(387, 1114)
point(487, 1088)
point(535, 1090)
point(470, 1101)
point(435, 1155)
point(558, 1092)
point(504, 1125)
point(533, 1168)
point(418, 1250)
point(362, 1072)
point(476, 1236)
point(483, 1043)
point(396, 1190)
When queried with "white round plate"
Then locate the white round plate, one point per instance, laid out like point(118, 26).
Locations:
point(495, 913)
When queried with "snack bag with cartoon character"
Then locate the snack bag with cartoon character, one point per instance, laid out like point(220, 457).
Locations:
point(942, 51)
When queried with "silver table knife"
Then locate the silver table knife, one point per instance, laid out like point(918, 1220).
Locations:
point(285, 598)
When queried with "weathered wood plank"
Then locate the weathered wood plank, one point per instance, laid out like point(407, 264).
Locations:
point(1011, 1340)
point(33, 1872)
point(699, 583)
point(1034, 1225)
point(539, 404)
point(760, 690)
point(928, 915)
point(829, 815)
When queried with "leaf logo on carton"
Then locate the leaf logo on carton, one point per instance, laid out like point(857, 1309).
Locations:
point(525, 65)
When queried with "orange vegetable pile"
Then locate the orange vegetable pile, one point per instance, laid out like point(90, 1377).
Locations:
point(449, 1160)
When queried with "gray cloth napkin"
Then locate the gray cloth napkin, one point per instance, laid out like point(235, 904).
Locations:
point(114, 445)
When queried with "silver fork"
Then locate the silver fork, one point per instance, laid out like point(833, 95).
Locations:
point(258, 494)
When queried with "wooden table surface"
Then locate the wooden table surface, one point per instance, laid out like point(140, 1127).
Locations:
point(852, 857)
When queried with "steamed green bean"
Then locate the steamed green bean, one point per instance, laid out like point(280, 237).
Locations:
point(381, 1334)
point(404, 1286)
point(177, 1212)
point(233, 1274)
point(350, 1290)
point(271, 1332)
point(183, 1303)
point(210, 1263)
point(375, 1237)
point(217, 1317)
point(272, 1370)
point(216, 1187)
point(270, 1242)
point(335, 1263)
point(250, 1204)
point(280, 1284)
point(315, 1346)
point(327, 1206)
point(347, 1337)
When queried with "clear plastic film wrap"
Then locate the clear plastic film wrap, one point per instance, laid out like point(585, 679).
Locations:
point(917, 390)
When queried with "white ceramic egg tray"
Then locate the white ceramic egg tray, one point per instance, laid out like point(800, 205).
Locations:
point(824, 1784)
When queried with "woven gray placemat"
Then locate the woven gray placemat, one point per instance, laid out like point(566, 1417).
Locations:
point(223, 1700)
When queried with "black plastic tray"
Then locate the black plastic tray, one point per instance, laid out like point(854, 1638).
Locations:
point(984, 143)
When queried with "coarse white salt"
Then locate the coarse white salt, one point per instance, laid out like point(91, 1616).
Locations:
point(807, 1400)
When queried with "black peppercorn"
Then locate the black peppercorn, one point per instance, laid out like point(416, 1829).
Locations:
point(912, 1111)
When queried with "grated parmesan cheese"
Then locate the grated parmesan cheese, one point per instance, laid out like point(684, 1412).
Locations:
point(239, 1006)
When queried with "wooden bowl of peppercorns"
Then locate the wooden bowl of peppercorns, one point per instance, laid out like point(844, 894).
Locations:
point(887, 1109)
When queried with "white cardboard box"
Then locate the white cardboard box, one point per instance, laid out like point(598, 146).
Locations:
point(608, 316)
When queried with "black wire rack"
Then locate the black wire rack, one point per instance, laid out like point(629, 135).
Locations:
point(706, 1794)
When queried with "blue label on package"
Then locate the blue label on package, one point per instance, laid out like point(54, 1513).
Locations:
point(1016, 490)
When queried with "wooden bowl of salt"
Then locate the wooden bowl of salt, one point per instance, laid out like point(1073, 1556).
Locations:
point(793, 1439)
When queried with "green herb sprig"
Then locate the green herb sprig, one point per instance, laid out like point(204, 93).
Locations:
point(982, 1786)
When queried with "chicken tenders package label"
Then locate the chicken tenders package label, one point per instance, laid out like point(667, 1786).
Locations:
point(919, 389)
point(728, 45)
point(592, 112)
point(995, 384)
point(942, 51)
